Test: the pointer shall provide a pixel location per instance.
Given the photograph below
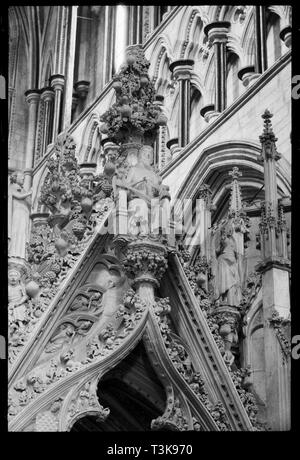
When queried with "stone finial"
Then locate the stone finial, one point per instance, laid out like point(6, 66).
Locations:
point(236, 197)
point(268, 138)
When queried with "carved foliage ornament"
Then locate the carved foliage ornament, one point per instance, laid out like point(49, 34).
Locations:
point(134, 113)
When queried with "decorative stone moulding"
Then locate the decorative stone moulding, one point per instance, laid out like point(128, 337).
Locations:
point(57, 81)
point(247, 75)
point(39, 218)
point(32, 95)
point(286, 36)
point(209, 113)
point(47, 94)
point(82, 88)
point(182, 68)
point(217, 31)
point(173, 146)
point(88, 169)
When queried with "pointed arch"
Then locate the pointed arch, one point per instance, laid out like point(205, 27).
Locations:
point(214, 163)
point(188, 31)
point(164, 74)
point(161, 47)
point(91, 138)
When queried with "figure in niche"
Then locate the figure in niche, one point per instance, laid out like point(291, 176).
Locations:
point(63, 336)
point(225, 267)
point(17, 298)
point(19, 205)
point(143, 185)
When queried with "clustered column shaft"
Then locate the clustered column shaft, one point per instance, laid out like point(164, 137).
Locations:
point(182, 71)
point(217, 33)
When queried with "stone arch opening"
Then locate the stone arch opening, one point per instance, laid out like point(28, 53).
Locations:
point(133, 393)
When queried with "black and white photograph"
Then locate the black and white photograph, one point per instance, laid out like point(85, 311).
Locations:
point(149, 201)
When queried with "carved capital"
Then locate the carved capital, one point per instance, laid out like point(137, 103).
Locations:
point(182, 69)
point(32, 96)
point(47, 94)
point(57, 82)
point(217, 32)
point(146, 261)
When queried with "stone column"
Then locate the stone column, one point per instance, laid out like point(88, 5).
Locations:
point(275, 288)
point(260, 38)
point(217, 33)
point(182, 70)
point(47, 96)
point(139, 22)
point(69, 73)
point(32, 97)
point(57, 83)
point(110, 44)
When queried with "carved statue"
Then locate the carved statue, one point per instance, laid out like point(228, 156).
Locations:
point(143, 185)
point(17, 297)
point(18, 216)
point(227, 283)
